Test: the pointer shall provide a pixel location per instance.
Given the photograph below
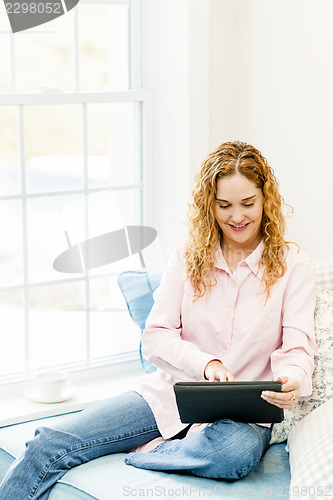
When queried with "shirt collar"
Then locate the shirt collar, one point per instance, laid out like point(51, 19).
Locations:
point(254, 258)
point(252, 261)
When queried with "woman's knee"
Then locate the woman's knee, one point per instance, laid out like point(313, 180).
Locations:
point(48, 445)
point(54, 451)
point(233, 450)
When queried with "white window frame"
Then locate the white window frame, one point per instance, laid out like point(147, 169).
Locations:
point(136, 94)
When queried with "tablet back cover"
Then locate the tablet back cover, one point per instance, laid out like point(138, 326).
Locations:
point(201, 402)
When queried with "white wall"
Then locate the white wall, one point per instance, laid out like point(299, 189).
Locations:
point(272, 85)
point(223, 72)
point(181, 80)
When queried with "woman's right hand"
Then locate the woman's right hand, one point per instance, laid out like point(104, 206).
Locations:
point(215, 370)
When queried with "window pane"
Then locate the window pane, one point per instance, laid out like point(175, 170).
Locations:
point(4, 22)
point(132, 262)
point(114, 156)
point(49, 219)
point(118, 47)
point(57, 324)
point(109, 212)
point(10, 175)
point(11, 250)
point(105, 294)
point(46, 60)
point(103, 46)
point(112, 329)
point(11, 332)
point(49, 51)
point(99, 164)
point(113, 333)
point(105, 211)
point(128, 203)
point(4, 58)
point(53, 142)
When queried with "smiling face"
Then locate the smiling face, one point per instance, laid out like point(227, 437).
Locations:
point(238, 210)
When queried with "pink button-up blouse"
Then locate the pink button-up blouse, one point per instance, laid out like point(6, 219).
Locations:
point(253, 339)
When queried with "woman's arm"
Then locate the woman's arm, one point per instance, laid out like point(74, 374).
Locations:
point(295, 358)
point(162, 343)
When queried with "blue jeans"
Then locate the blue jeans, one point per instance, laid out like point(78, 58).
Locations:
point(224, 449)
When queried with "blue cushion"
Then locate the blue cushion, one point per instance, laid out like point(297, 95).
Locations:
point(138, 288)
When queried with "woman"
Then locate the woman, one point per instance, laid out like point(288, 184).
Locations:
point(236, 301)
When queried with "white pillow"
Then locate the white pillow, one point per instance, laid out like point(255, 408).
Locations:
point(324, 273)
point(322, 379)
point(310, 446)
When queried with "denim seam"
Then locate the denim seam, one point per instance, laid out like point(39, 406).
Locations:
point(88, 445)
point(260, 434)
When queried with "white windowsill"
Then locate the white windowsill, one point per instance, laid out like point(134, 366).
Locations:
point(16, 408)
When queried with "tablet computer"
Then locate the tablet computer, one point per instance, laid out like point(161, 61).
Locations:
point(201, 402)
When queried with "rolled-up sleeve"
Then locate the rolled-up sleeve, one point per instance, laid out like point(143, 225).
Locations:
point(295, 357)
point(162, 342)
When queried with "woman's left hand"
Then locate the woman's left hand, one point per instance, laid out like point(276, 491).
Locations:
point(289, 396)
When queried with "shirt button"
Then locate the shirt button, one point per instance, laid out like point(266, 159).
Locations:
point(228, 315)
point(224, 347)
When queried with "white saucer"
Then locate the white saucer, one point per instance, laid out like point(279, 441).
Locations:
point(34, 395)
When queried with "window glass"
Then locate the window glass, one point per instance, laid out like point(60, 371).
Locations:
point(57, 324)
point(11, 248)
point(9, 151)
point(112, 329)
point(113, 333)
point(54, 224)
point(103, 47)
point(109, 213)
point(4, 57)
point(48, 49)
point(114, 156)
point(11, 332)
point(69, 174)
point(53, 147)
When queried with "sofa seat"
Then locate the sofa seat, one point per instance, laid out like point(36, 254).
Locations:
point(109, 478)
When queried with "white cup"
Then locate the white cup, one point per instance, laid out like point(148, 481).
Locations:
point(51, 384)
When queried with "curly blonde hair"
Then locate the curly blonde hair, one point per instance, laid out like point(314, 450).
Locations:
point(204, 232)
